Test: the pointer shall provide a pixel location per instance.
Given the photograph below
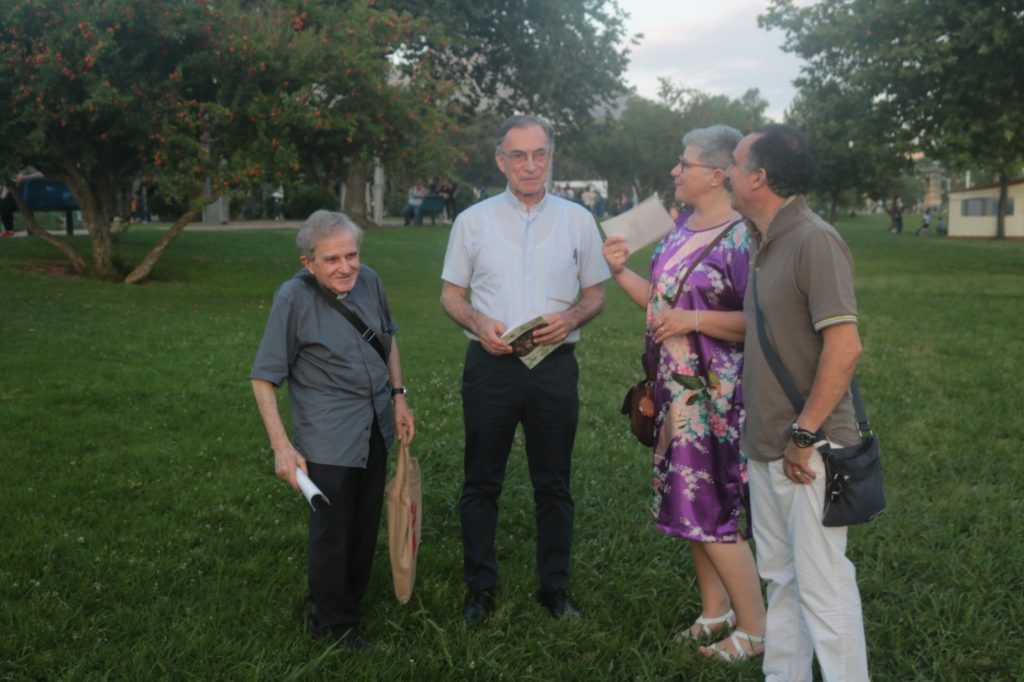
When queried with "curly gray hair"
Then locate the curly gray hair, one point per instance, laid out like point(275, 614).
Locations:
point(714, 144)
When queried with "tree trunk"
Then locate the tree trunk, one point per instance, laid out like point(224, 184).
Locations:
point(142, 271)
point(833, 207)
point(359, 174)
point(77, 262)
point(1001, 210)
point(94, 201)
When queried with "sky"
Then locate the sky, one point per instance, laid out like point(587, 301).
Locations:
point(712, 45)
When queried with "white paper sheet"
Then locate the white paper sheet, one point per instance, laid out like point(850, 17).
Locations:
point(643, 224)
point(308, 488)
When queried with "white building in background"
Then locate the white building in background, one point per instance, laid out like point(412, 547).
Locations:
point(972, 211)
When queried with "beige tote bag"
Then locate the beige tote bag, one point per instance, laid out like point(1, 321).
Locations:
point(405, 519)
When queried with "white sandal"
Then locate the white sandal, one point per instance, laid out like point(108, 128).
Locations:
point(705, 630)
point(741, 654)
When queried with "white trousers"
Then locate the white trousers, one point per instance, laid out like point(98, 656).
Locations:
point(813, 602)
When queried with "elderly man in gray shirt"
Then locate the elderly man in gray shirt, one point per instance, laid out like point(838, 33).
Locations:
point(342, 381)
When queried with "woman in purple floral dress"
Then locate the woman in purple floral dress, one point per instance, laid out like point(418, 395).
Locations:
point(700, 484)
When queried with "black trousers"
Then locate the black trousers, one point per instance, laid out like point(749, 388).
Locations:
point(499, 393)
point(7, 207)
point(343, 537)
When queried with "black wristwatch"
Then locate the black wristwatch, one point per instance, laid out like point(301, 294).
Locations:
point(398, 390)
point(803, 438)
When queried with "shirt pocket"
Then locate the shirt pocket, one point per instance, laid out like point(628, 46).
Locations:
point(563, 282)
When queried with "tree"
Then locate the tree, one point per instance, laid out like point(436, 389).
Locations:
point(560, 59)
point(855, 146)
point(638, 148)
point(702, 109)
point(209, 98)
point(948, 69)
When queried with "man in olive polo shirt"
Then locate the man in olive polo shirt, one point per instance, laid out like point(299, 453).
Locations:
point(803, 274)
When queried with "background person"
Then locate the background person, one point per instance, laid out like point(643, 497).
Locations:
point(412, 213)
point(341, 391)
point(7, 204)
point(521, 252)
point(700, 490)
point(804, 277)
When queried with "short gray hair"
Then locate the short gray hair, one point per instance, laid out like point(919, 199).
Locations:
point(323, 224)
point(714, 144)
point(524, 121)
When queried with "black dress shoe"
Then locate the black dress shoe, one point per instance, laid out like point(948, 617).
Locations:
point(559, 603)
point(479, 604)
point(352, 640)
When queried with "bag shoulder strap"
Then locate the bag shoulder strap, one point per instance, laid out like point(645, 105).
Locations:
point(703, 254)
point(693, 266)
point(786, 380)
point(361, 327)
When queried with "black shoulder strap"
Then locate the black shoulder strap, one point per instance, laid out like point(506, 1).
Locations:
point(786, 380)
point(364, 331)
point(703, 254)
point(679, 290)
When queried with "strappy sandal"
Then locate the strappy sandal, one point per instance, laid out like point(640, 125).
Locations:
point(741, 654)
point(706, 631)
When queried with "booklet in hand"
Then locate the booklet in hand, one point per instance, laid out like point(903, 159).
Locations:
point(520, 337)
point(644, 224)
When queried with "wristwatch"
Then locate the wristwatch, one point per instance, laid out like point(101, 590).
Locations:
point(398, 390)
point(803, 438)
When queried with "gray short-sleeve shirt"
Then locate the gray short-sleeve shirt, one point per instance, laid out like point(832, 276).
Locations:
point(337, 382)
point(804, 274)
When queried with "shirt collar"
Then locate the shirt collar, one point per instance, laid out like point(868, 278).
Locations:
point(782, 222)
point(520, 206)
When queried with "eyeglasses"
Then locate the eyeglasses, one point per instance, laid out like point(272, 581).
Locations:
point(686, 165)
point(519, 158)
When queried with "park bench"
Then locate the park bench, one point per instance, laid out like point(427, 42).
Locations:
point(43, 194)
point(432, 206)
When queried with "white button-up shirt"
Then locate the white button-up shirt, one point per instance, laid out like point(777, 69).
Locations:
point(518, 261)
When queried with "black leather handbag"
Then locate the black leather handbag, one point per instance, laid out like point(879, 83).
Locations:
point(854, 491)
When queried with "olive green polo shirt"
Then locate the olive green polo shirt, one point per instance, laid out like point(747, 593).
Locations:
point(804, 274)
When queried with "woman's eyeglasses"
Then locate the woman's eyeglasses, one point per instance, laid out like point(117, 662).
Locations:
point(686, 165)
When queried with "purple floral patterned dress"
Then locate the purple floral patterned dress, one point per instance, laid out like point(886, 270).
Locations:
point(700, 479)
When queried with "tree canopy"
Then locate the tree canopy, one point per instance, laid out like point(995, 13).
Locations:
point(638, 148)
point(561, 59)
point(947, 71)
point(209, 98)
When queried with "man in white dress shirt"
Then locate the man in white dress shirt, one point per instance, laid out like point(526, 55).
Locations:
point(520, 253)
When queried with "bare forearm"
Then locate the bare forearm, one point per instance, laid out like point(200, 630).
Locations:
point(727, 325)
point(457, 307)
point(635, 286)
point(266, 402)
point(587, 308)
point(836, 366)
point(395, 365)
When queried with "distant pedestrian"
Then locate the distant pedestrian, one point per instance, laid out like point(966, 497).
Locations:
point(926, 222)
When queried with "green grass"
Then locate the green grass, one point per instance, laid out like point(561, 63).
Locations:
point(145, 537)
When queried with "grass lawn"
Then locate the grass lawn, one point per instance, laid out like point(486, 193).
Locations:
point(145, 536)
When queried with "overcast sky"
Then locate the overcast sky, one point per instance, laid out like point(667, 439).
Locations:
point(711, 45)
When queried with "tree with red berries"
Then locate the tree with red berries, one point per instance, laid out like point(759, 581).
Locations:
point(209, 98)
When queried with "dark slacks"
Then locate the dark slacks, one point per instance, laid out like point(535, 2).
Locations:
point(498, 393)
point(343, 537)
point(7, 207)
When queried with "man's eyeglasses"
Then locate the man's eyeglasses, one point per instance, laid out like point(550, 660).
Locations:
point(519, 158)
point(686, 165)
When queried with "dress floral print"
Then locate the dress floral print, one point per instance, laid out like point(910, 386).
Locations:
point(700, 483)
